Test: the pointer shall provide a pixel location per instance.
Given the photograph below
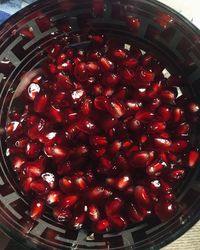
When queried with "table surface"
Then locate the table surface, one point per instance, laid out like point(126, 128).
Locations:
point(190, 9)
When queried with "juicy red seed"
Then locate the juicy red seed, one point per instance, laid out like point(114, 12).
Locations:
point(21, 142)
point(61, 215)
point(162, 144)
point(193, 157)
point(165, 210)
point(86, 106)
point(166, 186)
point(15, 115)
point(50, 179)
point(35, 168)
point(65, 66)
point(114, 147)
point(53, 197)
point(68, 201)
point(134, 23)
point(179, 146)
point(93, 212)
point(182, 129)
point(154, 169)
point(127, 74)
point(100, 102)
point(141, 196)
point(144, 116)
point(164, 113)
point(119, 54)
point(37, 209)
point(146, 75)
point(122, 182)
point(26, 184)
point(39, 186)
point(167, 96)
point(118, 222)
point(156, 127)
point(113, 206)
point(77, 221)
point(101, 226)
point(140, 159)
point(98, 141)
point(92, 68)
point(130, 63)
point(97, 193)
point(116, 109)
point(193, 107)
point(63, 82)
point(33, 90)
point(86, 126)
point(97, 39)
point(17, 162)
point(14, 128)
point(176, 114)
point(133, 105)
point(105, 64)
point(66, 184)
point(33, 149)
point(64, 168)
point(57, 152)
point(177, 174)
point(134, 213)
point(112, 79)
point(55, 114)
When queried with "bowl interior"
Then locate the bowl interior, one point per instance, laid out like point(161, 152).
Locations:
point(175, 42)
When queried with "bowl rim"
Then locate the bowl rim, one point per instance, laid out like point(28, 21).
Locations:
point(194, 219)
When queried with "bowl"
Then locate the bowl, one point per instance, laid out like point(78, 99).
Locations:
point(24, 38)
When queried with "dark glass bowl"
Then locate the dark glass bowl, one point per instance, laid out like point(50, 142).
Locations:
point(175, 41)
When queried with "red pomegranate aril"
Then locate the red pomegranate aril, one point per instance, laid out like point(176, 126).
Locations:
point(130, 63)
point(127, 74)
point(167, 96)
point(101, 226)
point(93, 212)
point(17, 162)
point(77, 221)
point(14, 128)
point(50, 179)
point(15, 115)
point(86, 106)
point(154, 169)
point(134, 213)
point(108, 92)
point(141, 196)
point(116, 109)
point(134, 105)
point(55, 114)
point(98, 193)
point(144, 116)
point(119, 54)
point(61, 215)
point(162, 144)
point(92, 68)
point(98, 141)
point(57, 152)
point(97, 39)
point(66, 66)
point(86, 126)
point(53, 197)
point(35, 168)
point(177, 174)
point(165, 210)
point(65, 184)
point(26, 184)
point(156, 127)
point(166, 186)
point(154, 104)
point(105, 64)
point(134, 23)
point(80, 71)
point(182, 129)
point(111, 79)
point(39, 186)
point(63, 82)
point(164, 113)
point(178, 146)
point(139, 159)
point(114, 147)
point(177, 114)
point(33, 149)
point(21, 142)
point(33, 90)
point(193, 157)
point(37, 209)
point(80, 183)
point(68, 201)
point(123, 181)
point(193, 107)
point(113, 206)
point(146, 75)
point(118, 222)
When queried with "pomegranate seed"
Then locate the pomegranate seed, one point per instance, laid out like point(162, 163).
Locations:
point(77, 221)
point(101, 226)
point(65, 66)
point(17, 162)
point(97, 39)
point(100, 102)
point(133, 105)
point(141, 196)
point(176, 114)
point(61, 215)
point(39, 186)
point(68, 201)
point(105, 64)
point(21, 142)
point(33, 149)
point(144, 116)
point(112, 79)
point(97, 193)
point(80, 71)
point(86, 106)
point(182, 129)
point(116, 109)
point(63, 82)
point(26, 184)
point(53, 197)
point(98, 141)
point(146, 75)
point(177, 174)
point(122, 182)
point(37, 209)
point(40, 103)
point(119, 54)
point(113, 206)
point(167, 96)
point(14, 129)
point(55, 114)
point(193, 157)
point(162, 144)
point(130, 62)
point(154, 169)
point(156, 127)
point(57, 152)
point(134, 213)
point(118, 222)
point(92, 68)
point(164, 113)
point(87, 126)
point(35, 168)
point(93, 213)
point(33, 90)
point(165, 210)
point(140, 159)
point(50, 179)
point(80, 183)
point(193, 107)
point(178, 146)
point(115, 147)
point(66, 184)
point(134, 23)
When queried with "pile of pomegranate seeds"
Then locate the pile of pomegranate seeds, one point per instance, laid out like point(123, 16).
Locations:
point(103, 137)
